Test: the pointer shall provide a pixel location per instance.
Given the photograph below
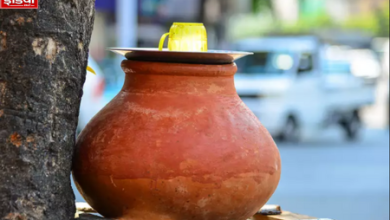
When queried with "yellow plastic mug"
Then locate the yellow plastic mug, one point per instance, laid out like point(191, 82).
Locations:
point(186, 37)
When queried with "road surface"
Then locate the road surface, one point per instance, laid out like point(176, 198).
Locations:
point(331, 178)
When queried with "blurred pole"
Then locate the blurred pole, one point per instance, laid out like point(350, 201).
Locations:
point(127, 22)
point(201, 13)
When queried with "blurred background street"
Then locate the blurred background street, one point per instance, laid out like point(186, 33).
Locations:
point(331, 178)
point(318, 81)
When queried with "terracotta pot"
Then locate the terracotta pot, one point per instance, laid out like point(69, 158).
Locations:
point(176, 143)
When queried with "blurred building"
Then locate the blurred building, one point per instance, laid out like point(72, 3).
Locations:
point(156, 16)
point(225, 20)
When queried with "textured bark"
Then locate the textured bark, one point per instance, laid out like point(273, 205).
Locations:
point(43, 58)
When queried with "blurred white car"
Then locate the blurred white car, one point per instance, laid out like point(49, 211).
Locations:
point(296, 91)
point(364, 62)
point(92, 100)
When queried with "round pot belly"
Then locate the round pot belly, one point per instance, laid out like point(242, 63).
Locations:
point(176, 143)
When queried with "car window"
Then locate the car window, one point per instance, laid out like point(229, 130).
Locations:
point(266, 63)
point(306, 63)
point(337, 67)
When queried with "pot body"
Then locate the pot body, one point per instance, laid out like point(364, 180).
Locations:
point(177, 143)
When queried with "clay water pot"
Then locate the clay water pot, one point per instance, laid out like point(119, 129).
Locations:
point(176, 143)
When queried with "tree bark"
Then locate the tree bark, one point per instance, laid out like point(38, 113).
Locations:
point(43, 59)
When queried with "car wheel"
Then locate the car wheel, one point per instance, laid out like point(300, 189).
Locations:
point(352, 126)
point(291, 131)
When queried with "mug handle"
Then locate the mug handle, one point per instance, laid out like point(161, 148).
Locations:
point(161, 44)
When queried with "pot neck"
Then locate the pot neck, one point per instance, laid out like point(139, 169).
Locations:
point(196, 79)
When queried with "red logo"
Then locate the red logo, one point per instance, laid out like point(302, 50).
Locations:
point(18, 4)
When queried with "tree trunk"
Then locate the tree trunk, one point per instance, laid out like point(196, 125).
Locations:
point(43, 59)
